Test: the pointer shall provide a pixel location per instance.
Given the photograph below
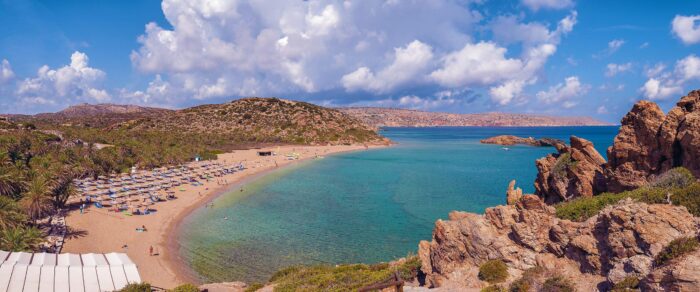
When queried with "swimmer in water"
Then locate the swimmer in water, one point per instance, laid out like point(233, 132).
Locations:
point(226, 218)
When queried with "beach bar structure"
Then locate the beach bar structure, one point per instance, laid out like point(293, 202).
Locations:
point(39, 272)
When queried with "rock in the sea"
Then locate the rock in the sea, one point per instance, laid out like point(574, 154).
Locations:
point(575, 171)
point(620, 241)
point(512, 140)
point(650, 143)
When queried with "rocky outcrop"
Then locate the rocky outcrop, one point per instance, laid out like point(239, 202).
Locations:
point(650, 143)
point(513, 194)
point(513, 140)
point(683, 274)
point(575, 171)
point(620, 241)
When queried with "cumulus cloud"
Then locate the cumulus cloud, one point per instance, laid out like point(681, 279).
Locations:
point(71, 83)
point(655, 89)
point(6, 73)
point(564, 92)
point(547, 4)
point(483, 63)
point(687, 28)
point(408, 64)
point(269, 47)
point(613, 69)
point(663, 84)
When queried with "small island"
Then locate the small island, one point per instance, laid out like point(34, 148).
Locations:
point(508, 140)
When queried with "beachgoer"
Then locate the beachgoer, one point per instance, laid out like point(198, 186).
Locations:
point(150, 251)
point(143, 227)
point(81, 208)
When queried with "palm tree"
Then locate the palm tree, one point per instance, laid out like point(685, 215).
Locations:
point(62, 190)
point(10, 214)
point(20, 239)
point(10, 182)
point(37, 199)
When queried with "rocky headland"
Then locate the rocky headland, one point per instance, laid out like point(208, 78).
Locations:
point(507, 140)
point(639, 228)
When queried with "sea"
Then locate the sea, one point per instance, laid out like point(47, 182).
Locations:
point(362, 207)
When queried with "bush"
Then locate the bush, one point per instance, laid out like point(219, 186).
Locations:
point(678, 177)
point(528, 281)
point(627, 284)
point(254, 287)
point(688, 197)
point(494, 288)
point(557, 284)
point(582, 208)
point(676, 248)
point(493, 271)
point(185, 288)
point(137, 287)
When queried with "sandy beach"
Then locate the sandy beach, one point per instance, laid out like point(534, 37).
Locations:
point(102, 231)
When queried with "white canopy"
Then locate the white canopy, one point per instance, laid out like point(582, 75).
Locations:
point(40, 272)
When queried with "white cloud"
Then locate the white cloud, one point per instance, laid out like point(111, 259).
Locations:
point(615, 45)
point(506, 92)
point(687, 28)
point(655, 70)
point(408, 64)
point(602, 110)
point(655, 89)
point(564, 92)
point(234, 48)
point(547, 4)
point(613, 69)
point(688, 68)
point(483, 63)
point(6, 73)
point(71, 83)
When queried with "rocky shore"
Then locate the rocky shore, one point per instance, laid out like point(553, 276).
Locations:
point(626, 243)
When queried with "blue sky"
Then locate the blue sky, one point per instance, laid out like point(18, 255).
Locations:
point(532, 56)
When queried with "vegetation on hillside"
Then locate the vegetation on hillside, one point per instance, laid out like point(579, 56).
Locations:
point(677, 185)
point(342, 277)
point(263, 120)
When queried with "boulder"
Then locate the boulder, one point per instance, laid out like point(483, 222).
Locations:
point(575, 171)
point(682, 274)
point(619, 241)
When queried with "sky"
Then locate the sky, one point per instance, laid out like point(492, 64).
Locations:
point(556, 57)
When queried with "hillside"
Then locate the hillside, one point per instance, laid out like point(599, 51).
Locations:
point(390, 117)
point(267, 120)
point(97, 115)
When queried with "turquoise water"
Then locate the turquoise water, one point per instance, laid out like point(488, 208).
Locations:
point(366, 206)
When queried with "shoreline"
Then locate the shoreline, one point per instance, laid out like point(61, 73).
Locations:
point(104, 231)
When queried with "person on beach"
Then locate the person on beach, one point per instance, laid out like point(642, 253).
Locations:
point(82, 207)
point(150, 251)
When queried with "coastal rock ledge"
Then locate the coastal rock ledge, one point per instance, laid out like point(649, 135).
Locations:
point(620, 241)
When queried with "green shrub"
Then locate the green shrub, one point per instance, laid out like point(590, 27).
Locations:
point(563, 162)
point(527, 281)
point(254, 287)
point(582, 208)
point(137, 287)
point(627, 284)
point(557, 284)
point(185, 288)
point(678, 177)
point(342, 277)
point(493, 271)
point(688, 197)
point(676, 248)
point(494, 288)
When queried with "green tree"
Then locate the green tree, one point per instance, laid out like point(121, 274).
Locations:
point(37, 199)
point(20, 239)
point(10, 214)
point(62, 190)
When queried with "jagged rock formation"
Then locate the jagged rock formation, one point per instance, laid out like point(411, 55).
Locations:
point(681, 275)
point(513, 194)
point(650, 143)
point(512, 140)
point(575, 171)
point(620, 241)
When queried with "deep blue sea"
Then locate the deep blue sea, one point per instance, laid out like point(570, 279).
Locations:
point(366, 206)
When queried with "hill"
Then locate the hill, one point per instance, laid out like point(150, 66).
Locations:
point(267, 120)
point(97, 115)
point(391, 117)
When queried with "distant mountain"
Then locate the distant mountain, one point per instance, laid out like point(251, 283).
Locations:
point(97, 115)
point(391, 117)
point(269, 120)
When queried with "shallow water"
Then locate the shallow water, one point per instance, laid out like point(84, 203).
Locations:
point(366, 206)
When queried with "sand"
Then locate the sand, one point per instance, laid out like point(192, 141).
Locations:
point(102, 231)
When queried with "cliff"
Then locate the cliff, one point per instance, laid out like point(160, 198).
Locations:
point(391, 117)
